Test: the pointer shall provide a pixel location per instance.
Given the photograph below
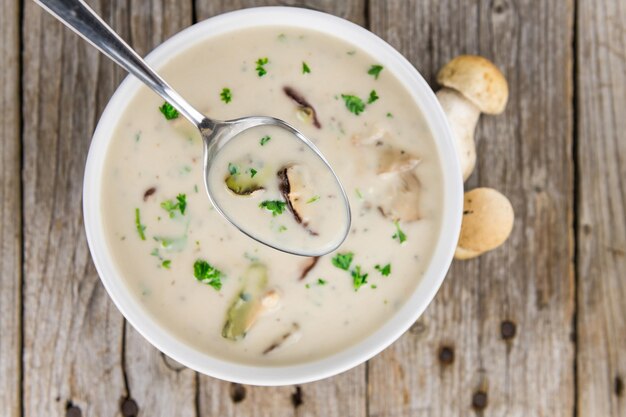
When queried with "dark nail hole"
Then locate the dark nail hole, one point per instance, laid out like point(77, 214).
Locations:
point(446, 355)
point(237, 392)
point(618, 386)
point(479, 400)
point(129, 408)
point(296, 397)
point(507, 329)
point(586, 229)
point(72, 411)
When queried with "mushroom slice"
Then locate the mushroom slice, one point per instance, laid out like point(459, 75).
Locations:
point(306, 112)
point(241, 184)
point(393, 161)
point(309, 264)
point(248, 305)
point(375, 135)
point(402, 199)
point(294, 183)
point(289, 337)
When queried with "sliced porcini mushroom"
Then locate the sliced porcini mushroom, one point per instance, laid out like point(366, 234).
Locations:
point(394, 161)
point(308, 265)
point(471, 85)
point(487, 222)
point(401, 200)
point(243, 184)
point(248, 304)
point(375, 135)
point(294, 185)
point(305, 111)
point(289, 337)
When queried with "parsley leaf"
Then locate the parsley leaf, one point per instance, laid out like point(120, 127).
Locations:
point(282, 228)
point(168, 111)
point(373, 97)
point(171, 206)
point(313, 199)
point(233, 169)
point(275, 206)
point(353, 103)
point(375, 70)
point(260, 66)
point(358, 279)
point(140, 227)
point(343, 260)
point(226, 95)
point(166, 264)
point(389, 115)
point(384, 270)
point(305, 68)
point(253, 172)
point(321, 281)
point(265, 139)
point(207, 274)
point(399, 233)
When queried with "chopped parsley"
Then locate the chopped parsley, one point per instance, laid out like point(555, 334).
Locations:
point(226, 96)
point(373, 286)
point(260, 66)
point(353, 103)
point(343, 260)
point(253, 172)
point(282, 228)
point(168, 111)
point(265, 139)
point(375, 70)
point(275, 206)
point(313, 199)
point(140, 227)
point(373, 97)
point(170, 206)
point(399, 233)
point(389, 115)
point(384, 270)
point(358, 193)
point(358, 279)
point(207, 274)
point(321, 281)
point(166, 264)
point(305, 68)
point(233, 169)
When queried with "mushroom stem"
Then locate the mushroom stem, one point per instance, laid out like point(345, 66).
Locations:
point(463, 116)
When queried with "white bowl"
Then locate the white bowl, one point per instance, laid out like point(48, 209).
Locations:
point(416, 302)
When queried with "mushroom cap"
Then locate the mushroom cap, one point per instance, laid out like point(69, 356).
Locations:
point(478, 79)
point(487, 222)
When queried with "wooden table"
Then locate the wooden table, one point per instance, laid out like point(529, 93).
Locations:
point(536, 328)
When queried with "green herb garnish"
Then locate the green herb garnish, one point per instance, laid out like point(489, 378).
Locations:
point(358, 193)
point(166, 264)
point(275, 206)
point(358, 279)
point(171, 206)
point(375, 70)
point(207, 274)
point(384, 270)
point(282, 228)
point(140, 227)
point(321, 281)
point(260, 66)
point(389, 115)
point(343, 260)
point(373, 97)
point(253, 172)
point(265, 139)
point(168, 111)
point(353, 103)
point(313, 199)
point(233, 169)
point(399, 233)
point(226, 96)
point(305, 68)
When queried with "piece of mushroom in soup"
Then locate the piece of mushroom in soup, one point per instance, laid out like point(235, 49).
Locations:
point(213, 287)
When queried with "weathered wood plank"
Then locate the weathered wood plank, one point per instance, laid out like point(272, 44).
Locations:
point(601, 260)
point(496, 340)
point(72, 332)
point(11, 216)
point(341, 396)
point(157, 385)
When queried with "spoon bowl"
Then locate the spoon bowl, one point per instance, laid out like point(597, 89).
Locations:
point(79, 17)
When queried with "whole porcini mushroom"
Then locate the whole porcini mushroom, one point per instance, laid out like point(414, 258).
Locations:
point(487, 222)
point(471, 85)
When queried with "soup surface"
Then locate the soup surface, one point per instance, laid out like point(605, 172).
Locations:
point(215, 288)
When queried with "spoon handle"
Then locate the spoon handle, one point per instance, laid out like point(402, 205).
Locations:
point(79, 17)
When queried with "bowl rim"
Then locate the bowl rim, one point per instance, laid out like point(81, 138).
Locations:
point(382, 337)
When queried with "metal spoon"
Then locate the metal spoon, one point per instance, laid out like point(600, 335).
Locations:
point(79, 17)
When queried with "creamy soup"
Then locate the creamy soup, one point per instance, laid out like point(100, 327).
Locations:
point(215, 288)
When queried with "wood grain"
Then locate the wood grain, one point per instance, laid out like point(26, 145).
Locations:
point(340, 396)
point(601, 156)
point(11, 215)
point(72, 332)
point(496, 340)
